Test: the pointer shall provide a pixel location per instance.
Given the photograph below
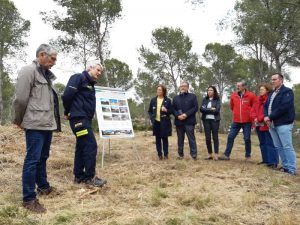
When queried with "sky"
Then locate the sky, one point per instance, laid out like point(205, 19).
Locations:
point(139, 19)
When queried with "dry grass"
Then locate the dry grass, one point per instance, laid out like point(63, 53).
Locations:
point(142, 190)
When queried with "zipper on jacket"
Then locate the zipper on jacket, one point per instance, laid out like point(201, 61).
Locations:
point(241, 108)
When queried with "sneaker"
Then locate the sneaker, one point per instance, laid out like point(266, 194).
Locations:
point(216, 157)
point(96, 182)
point(224, 157)
point(34, 206)
point(47, 191)
point(247, 159)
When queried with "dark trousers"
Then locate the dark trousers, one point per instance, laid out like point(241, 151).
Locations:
point(211, 127)
point(86, 148)
point(162, 143)
point(34, 169)
point(189, 130)
point(269, 153)
point(234, 130)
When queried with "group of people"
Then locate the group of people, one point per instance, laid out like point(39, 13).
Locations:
point(272, 114)
point(37, 113)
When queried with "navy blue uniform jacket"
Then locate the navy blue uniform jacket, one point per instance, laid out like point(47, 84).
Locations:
point(79, 96)
point(283, 109)
point(185, 103)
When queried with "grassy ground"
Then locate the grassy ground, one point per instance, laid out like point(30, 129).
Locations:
point(143, 190)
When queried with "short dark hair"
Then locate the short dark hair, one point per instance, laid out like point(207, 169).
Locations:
point(266, 86)
point(279, 75)
point(216, 94)
point(164, 89)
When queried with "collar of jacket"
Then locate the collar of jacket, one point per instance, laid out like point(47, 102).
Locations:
point(88, 77)
point(40, 68)
point(262, 98)
point(184, 93)
point(245, 93)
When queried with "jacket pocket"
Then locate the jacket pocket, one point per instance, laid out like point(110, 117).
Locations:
point(40, 95)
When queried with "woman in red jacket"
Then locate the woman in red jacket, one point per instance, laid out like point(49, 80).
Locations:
point(268, 152)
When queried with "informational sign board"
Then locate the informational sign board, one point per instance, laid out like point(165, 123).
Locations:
point(113, 113)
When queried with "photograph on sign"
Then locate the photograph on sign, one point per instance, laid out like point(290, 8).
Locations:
point(113, 113)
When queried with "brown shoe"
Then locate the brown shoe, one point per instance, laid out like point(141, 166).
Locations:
point(34, 206)
point(48, 191)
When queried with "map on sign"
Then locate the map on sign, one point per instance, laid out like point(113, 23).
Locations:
point(113, 113)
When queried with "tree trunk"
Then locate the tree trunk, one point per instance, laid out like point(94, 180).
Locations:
point(1, 89)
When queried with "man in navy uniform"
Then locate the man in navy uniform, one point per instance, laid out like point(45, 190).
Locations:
point(79, 101)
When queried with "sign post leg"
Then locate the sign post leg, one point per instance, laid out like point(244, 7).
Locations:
point(102, 161)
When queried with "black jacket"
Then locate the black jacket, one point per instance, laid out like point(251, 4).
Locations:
point(185, 103)
point(215, 103)
point(165, 120)
point(79, 98)
point(283, 109)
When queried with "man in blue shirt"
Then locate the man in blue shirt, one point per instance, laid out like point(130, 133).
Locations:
point(279, 112)
point(79, 101)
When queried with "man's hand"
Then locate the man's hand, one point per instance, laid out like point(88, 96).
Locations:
point(267, 121)
point(66, 117)
point(164, 109)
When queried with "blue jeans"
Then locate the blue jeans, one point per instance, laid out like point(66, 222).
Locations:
point(34, 169)
point(282, 138)
point(268, 151)
point(235, 128)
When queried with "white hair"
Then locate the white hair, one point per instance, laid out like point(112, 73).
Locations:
point(92, 64)
point(49, 50)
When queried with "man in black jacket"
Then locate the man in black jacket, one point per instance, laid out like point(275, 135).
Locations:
point(185, 107)
point(79, 101)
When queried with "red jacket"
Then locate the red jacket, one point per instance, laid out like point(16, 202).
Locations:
point(241, 107)
point(257, 112)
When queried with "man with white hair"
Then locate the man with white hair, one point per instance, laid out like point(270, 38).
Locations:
point(79, 101)
point(36, 111)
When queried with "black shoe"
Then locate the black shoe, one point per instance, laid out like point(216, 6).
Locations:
point(208, 157)
point(160, 157)
point(96, 182)
point(272, 166)
point(78, 180)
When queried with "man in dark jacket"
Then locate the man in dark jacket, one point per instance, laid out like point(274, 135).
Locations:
point(79, 101)
point(279, 112)
point(185, 106)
